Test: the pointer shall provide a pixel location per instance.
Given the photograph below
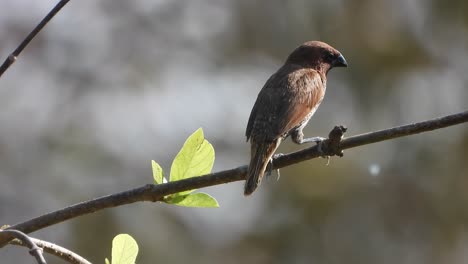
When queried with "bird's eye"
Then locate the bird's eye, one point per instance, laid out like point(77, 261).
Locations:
point(329, 55)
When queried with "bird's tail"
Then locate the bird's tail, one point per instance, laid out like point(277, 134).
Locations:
point(261, 153)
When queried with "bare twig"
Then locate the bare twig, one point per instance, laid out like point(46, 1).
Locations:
point(333, 146)
point(13, 56)
point(53, 249)
point(34, 250)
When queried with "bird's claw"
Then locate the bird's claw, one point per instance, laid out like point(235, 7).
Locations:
point(319, 141)
point(270, 165)
point(277, 155)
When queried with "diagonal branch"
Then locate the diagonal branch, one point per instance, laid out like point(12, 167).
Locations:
point(25, 240)
point(13, 56)
point(56, 250)
point(153, 193)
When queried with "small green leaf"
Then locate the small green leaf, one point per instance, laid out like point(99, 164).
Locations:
point(194, 159)
point(124, 249)
point(107, 261)
point(193, 200)
point(157, 172)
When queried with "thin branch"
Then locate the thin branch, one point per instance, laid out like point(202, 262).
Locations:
point(13, 56)
point(56, 250)
point(153, 193)
point(34, 250)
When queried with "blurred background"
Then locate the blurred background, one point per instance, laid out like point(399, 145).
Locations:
point(108, 86)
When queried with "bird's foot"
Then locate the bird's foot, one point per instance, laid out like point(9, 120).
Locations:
point(312, 139)
point(270, 165)
point(277, 155)
point(332, 147)
point(319, 141)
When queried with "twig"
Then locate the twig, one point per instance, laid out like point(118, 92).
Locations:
point(333, 146)
point(13, 56)
point(53, 249)
point(34, 250)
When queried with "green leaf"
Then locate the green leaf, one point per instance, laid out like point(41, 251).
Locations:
point(193, 200)
point(194, 159)
point(157, 172)
point(107, 261)
point(124, 249)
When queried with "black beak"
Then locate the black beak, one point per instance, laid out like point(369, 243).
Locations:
point(340, 61)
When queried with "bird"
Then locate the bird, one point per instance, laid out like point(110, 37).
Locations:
point(285, 104)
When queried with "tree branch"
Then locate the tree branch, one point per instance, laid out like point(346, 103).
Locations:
point(56, 250)
point(13, 56)
point(34, 250)
point(153, 193)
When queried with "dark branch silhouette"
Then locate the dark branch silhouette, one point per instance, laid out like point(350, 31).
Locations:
point(13, 56)
point(334, 145)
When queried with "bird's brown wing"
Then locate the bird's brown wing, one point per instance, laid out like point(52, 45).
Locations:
point(253, 115)
point(309, 90)
point(284, 102)
point(262, 112)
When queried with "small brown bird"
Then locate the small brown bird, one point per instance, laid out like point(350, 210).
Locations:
point(286, 103)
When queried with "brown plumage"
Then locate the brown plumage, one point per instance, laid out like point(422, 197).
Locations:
point(285, 104)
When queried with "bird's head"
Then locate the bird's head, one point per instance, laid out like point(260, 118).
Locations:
point(317, 55)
